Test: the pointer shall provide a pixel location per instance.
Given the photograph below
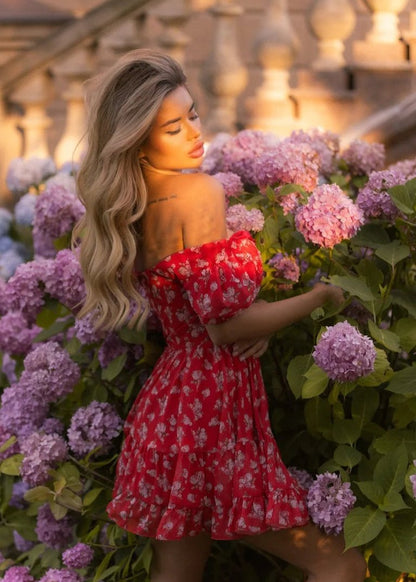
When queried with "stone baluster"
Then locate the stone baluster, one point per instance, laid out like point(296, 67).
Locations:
point(276, 47)
point(129, 35)
point(34, 95)
point(223, 75)
point(73, 71)
point(331, 23)
point(385, 20)
point(173, 38)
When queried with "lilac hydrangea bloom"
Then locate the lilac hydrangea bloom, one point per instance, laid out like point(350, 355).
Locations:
point(238, 217)
point(16, 335)
point(329, 501)
point(24, 211)
point(41, 453)
point(23, 292)
point(304, 479)
point(6, 435)
point(21, 412)
point(9, 261)
point(63, 279)
point(93, 427)
point(111, 348)
point(231, 183)
point(363, 158)
point(61, 575)
point(52, 426)
point(57, 207)
point(51, 369)
point(344, 353)
point(18, 574)
point(285, 267)
point(80, 556)
point(373, 198)
point(324, 143)
point(21, 544)
point(328, 217)
point(213, 159)
point(241, 151)
point(287, 163)
point(54, 533)
point(43, 245)
point(23, 173)
point(6, 218)
point(17, 499)
point(85, 331)
point(406, 168)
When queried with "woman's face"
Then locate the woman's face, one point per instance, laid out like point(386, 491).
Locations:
point(174, 141)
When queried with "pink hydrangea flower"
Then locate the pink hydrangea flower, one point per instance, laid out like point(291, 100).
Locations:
point(231, 183)
point(328, 217)
point(363, 158)
point(329, 501)
point(285, 267)
point(238, 217)
point(324, 143)
point(344, 353)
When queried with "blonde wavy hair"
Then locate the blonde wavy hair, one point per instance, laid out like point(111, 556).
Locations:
point(122, 105)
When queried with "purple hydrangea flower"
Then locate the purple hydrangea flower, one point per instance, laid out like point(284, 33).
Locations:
point(23, 292)
point(24, 173)
point(8, 367)
point(9, 261)
point(287, 163)
point(85, 331)
point(80, 556)
point(18, 574)
point(43, 245)
point(41, 453)
point(54, 533)
point(17, 499)
point(241, 151)
point(344, 353)
point(24, 211)
point(111, 348)
point(406, 168)
point(285, 267)
point(213, 159)
point(57, 207)
point(63, 279)
point(324, 143)
point(373, 198)
point(304, 479)
point(231, 183)
point(16, 335)
point(363, 158)
point(52, 426)
point(329, 501)
point(13, 448)
point(328, 217)
point(238, 217)
point(21, 412)
point(51, 371)
point(6, 218)
point(93, 427)
point(61, 575)
point(21, 544)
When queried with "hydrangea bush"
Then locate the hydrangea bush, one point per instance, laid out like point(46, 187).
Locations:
point(342, 383)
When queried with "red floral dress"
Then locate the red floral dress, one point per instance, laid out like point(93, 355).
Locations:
point(199, 454)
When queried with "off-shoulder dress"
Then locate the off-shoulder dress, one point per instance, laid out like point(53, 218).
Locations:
point(198, 452)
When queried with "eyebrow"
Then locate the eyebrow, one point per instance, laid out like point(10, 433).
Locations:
point(177, 118)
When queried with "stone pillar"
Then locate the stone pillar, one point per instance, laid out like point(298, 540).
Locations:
point(276, 47)
point(173, 38)
point(34, 96)
point(73, 71)
point(382, 48)
point(331, 23)
point(223, 75)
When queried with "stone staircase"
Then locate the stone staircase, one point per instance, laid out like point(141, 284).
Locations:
point(276, 65)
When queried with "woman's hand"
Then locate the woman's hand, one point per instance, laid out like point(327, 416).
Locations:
point(334, 295)
point(251, 348)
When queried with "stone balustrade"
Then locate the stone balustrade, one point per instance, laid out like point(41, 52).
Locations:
point(273, 65)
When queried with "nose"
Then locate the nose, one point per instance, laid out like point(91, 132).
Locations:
point(194, 128)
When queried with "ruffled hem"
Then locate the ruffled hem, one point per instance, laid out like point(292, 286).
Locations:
point(227, 493)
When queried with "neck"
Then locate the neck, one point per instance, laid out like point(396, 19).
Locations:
point(146, 165)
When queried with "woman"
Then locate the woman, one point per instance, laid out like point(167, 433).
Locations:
point(199, 460)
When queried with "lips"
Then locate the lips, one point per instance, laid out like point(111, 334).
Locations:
point(197, 151)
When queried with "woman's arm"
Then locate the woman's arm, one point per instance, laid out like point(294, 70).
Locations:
point(263, 318)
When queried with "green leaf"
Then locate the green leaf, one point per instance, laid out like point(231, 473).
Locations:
point(395, 437)
point(372, 490)
point(382, 371)
point(316, 382)
point(380, 572)
point(103, 566)
point(11, 465)
point(362, 525)
point(364, 404)
point(58, 511)
point(393, 501)
point(393, 253)
point(405, 328)
point(395, 544)
point(353, 286)
point(7, 444)
point(391, 469)
point(91, 496)
point(404, 381)
point(318, 417)
point(296, 370)
point(347, 456)
point(405, 299)
point(40, 494)
point(114, 367)
point(387, 338)
point(404, 198)
point(56, 327)
point(346, 431)
point(370, 235)
point(132, 336)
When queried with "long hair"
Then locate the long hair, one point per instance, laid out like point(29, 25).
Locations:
point(122, 104)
